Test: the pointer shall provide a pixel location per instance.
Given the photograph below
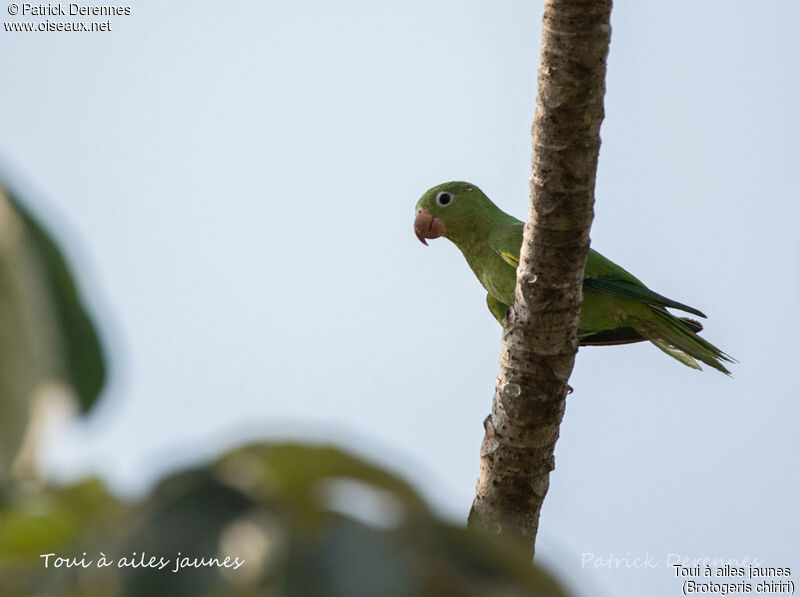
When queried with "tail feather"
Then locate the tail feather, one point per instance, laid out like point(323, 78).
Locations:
point(675, 353)
point(692, 324)
point(677, 338)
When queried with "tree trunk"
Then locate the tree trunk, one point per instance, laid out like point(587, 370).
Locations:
point(539, 338)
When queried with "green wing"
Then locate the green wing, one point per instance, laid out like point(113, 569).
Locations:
point(601, 274)
point(606, 276)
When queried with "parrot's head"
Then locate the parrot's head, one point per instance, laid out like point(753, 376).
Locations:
point(456, 210)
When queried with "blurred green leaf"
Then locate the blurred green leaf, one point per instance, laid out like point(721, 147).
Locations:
point(46, 335)
point(300, 521)
point(85, 364)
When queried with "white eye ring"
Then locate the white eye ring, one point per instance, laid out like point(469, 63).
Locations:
point(444, 198)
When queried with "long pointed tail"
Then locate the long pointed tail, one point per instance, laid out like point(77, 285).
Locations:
point(679, 340)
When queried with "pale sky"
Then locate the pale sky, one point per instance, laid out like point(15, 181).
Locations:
point(235, 186)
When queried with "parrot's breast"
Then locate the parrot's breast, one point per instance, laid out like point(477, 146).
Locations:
point(494, 273)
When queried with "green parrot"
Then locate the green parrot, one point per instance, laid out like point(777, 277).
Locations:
point(617, 307)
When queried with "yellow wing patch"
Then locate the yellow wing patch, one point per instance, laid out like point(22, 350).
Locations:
point(509, 258)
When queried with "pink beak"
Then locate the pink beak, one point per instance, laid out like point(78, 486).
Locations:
point(426, 226)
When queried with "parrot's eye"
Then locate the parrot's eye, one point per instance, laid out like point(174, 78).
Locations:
point(443, 199)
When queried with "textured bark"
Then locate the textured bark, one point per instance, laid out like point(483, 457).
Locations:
point(539, 337)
